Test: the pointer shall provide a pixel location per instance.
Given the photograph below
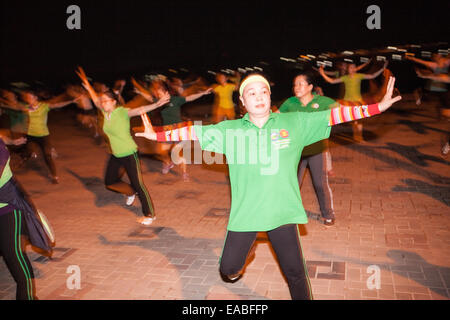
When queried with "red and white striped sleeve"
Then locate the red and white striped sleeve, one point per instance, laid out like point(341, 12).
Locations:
point(178, 134)
point(343, 114)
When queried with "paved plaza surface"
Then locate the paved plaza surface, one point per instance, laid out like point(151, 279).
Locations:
point(391, 198)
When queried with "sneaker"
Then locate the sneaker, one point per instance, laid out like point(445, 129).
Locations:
point(445, 149)
point(166, 168)
point(328, 222)
point(54, 153)
point(55, 179)
point(146, 221)
point(186, 177)
point(130, 199)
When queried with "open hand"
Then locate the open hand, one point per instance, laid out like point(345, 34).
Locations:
point(388, 100)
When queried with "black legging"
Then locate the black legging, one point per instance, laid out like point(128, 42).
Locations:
point(46, 148)
point(133, 169)
point(285, 241)
point(13, 252)
point(319, 176)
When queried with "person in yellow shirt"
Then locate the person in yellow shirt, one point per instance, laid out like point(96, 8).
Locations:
point(352, 82)
point(223, 101)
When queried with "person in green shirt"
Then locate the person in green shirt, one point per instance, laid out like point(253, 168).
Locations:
point(352, 82)
point(314, 155)
point(37, 132)
point(263, 151)
point(116, 125)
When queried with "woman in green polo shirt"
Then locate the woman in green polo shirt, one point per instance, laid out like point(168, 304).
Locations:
point(263, 174)
point(116, 125)
point(313, 156)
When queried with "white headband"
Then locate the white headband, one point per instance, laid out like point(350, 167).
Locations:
point(251, 79)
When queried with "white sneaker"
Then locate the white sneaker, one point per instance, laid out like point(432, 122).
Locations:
point(130, 199)
point(166, 168)
point(146, 221)
point(445, 149)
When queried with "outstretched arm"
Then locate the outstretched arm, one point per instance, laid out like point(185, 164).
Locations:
point(436, 77)
point(144, 109)
point(179, 134)
point(428, 64)
point(195, 96)
point(54, 105)
point(327, 78)
point(343, 114)
point(16, 142)
point(12, 105)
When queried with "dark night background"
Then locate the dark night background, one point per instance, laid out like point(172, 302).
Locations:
point(122, 38)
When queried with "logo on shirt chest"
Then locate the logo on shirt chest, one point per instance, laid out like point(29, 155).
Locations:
point(280, 139)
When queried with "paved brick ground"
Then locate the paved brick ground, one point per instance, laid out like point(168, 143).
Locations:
point(391, 197)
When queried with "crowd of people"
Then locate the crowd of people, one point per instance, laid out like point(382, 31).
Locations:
point(294, 134)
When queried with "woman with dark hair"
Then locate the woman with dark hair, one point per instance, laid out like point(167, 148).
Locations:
point(314, 155)
point(116, 126)
point(265, 196)
point(37, 129)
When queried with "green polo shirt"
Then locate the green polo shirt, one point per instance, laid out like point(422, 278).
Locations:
point(171, 112)
point(37, 121)
point(117, 129)
point(263, 166)
point(318, 103)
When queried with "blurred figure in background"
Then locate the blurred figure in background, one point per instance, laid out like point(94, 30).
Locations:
point(223, 107)
point(352, 82)
point(438, 89)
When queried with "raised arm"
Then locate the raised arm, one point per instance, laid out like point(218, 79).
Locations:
point(88, 87)
point(362, 65)
point(327, 78)
point(328, 73)
point(141, 90)
point(343, 114)
point(195, 96)
point(144, 109)
point(376, 74)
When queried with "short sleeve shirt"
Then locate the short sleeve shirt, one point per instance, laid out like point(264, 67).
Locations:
point(117, 129)
point(263, 166)
point(353, 87)
point(224, 96)
point(171, 112)
point(318, 103)
point(37, 121)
